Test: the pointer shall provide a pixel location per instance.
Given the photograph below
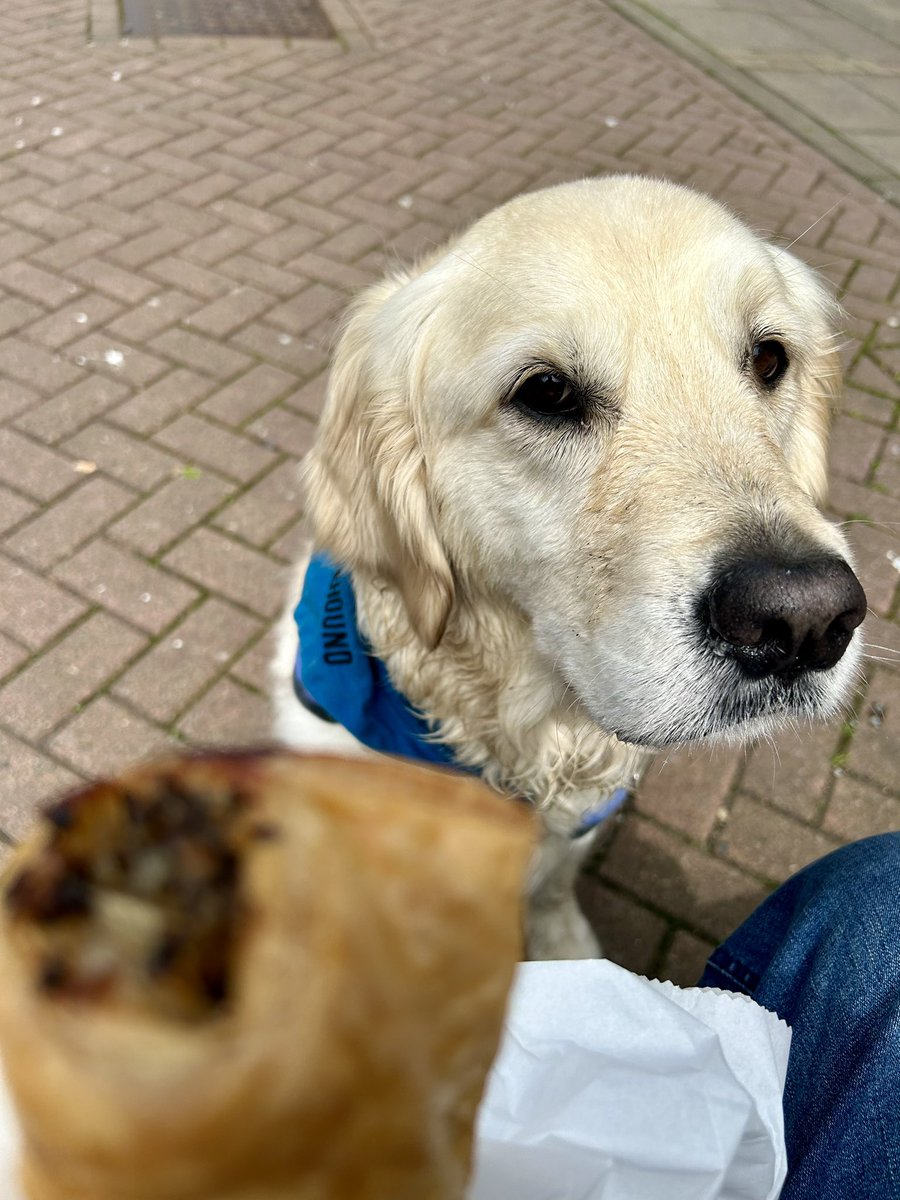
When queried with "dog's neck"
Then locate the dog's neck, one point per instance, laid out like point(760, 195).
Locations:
point(497, 703)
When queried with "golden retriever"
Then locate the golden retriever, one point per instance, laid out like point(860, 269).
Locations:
point(572, 464)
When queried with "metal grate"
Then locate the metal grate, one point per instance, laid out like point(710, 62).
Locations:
point(225, 18)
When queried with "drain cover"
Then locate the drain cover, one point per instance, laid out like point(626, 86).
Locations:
point(225, 18)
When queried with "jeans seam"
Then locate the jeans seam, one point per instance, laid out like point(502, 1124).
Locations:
point(733, 979)
point(742, 985)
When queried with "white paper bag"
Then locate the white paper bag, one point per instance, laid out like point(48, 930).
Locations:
point(612, 1087)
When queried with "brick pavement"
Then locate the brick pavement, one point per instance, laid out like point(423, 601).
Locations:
point(180, 225)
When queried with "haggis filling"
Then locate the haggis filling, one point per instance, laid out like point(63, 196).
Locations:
point(134, 897)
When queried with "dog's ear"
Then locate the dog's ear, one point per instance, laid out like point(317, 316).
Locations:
point(366, 475)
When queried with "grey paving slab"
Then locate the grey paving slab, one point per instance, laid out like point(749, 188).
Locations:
point(827, 69)
point(838, 99)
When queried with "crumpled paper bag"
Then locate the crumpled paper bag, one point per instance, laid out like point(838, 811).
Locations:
point(608, 1086)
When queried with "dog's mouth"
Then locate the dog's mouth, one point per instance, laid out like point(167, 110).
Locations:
point(735, 709)
point(698, 694)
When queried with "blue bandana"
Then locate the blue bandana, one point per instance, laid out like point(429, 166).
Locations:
point(343, 679)
point(337, 677)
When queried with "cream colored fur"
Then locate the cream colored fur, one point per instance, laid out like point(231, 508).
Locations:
point(531, 592)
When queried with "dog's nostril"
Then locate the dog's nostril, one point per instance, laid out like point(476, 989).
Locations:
point(777, 636)
point(777, 618)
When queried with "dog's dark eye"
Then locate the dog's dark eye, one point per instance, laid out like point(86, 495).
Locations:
point(548, 395)
point(769, 361)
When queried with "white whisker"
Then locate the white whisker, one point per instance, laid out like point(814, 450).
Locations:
point(818, 221)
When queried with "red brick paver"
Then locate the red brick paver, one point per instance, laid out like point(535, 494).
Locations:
point(171, 267)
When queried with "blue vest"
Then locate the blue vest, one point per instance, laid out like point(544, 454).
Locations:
point(338, 678)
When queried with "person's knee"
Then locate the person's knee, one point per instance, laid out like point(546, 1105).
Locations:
point(845, 905)
point(866, 870)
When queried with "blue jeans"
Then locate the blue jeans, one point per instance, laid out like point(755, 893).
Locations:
point(823, 952)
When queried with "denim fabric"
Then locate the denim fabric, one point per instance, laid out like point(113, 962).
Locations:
point(823, 952)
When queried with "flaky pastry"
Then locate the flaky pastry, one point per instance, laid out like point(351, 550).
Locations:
point(258, 977)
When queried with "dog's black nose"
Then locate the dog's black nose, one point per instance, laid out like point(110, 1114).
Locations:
point(780, 619)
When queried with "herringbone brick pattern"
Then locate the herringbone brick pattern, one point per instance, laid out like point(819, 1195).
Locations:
point(179, 228)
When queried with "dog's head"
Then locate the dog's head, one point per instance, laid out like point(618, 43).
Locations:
point(606, 404)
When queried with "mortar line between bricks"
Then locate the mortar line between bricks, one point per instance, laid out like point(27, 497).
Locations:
point(130, 552)
point(60, 496)
point(194, 464)
point(813, 822)
point(155, 559)
point(105, 688)
point(43, 747)
point(728, 801)
point(282, 400)
point(701, 848)
point(156, 639)
point(75, 546)
point(766, 880)
point(46, 573)
point(865, 418)
point(119, 343)
point(280, 532)
point(654, 970)
point(263, 412)
point(13, 529)
point(848, 732)
point(52, 642)
point(828, 224)
point(215, 386)
point(870, 480)
point(244, 608)
point(858, 776)
point(256, 360)
point(866, 347)
point(883, 227)
point(99, 473)
point(208, 686)
point(93, 609)
point(252, 641)
point(223, 425)
point(187, 325)
point(31, 232)
point(676, 923)
point(170, 728)
point(16, 641)
point(853, 271)
point(210, 518)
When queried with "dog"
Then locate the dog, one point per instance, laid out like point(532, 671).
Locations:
point(569, 469)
